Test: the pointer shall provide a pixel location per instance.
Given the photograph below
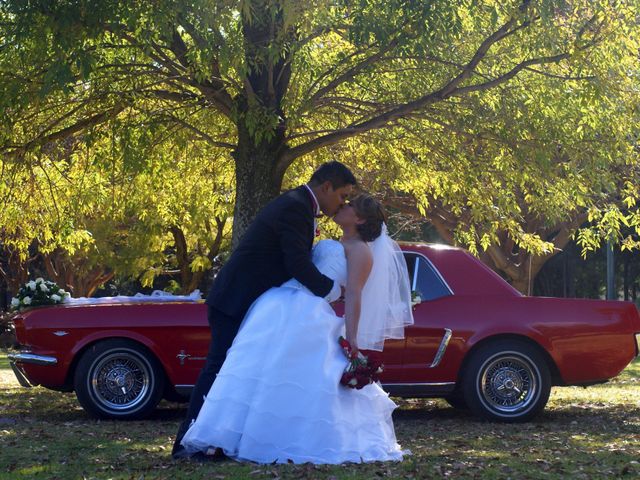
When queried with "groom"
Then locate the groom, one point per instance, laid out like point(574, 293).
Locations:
point(275, 248)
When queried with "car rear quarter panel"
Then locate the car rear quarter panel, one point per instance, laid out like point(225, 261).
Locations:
point(472, 319)
point(589, 341)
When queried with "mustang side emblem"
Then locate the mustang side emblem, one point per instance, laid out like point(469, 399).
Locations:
point(183, 355)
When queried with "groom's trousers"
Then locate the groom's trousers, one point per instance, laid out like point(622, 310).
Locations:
point(223, 330)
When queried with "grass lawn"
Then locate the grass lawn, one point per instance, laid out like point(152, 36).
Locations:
point(583, 433)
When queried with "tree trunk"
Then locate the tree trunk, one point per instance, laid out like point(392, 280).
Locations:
point(189, 280)
point(258, 178)
point(260, 119)
point(14, 270)
point(73, 275)
point(522, 274)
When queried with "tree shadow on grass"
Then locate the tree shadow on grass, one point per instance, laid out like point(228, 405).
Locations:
point(578, 440)
point(50, 428)
point(601, 424)
point(39, 403)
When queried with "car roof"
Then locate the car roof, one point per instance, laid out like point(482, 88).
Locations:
point(464, 273)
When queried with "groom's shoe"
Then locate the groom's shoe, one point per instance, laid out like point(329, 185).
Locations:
point(179, 452)
point(212, 455)
point(215, 455)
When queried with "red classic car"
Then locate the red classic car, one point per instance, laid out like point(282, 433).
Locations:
point(476, 341)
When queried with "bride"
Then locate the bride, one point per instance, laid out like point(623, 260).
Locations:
point(277, 397)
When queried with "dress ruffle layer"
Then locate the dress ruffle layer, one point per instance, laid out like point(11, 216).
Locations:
point(259, 422)
point(278, 399)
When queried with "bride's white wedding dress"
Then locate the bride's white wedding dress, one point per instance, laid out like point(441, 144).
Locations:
point(278, 396)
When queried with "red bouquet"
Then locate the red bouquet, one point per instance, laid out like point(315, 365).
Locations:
point(361, 370)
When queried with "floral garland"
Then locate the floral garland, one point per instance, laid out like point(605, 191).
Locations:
point(38, 292)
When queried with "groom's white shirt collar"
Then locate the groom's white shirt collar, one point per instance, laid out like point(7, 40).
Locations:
point(315, 200)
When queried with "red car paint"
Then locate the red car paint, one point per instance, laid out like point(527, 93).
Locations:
point(466, 305)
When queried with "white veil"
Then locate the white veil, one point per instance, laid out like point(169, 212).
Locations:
point(386, 296)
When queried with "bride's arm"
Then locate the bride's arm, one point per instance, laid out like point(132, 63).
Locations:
point(359, 263)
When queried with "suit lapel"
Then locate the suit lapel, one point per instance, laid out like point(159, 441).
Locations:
point(305, 196)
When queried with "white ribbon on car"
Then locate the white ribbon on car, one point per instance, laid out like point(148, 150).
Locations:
point(156, 296)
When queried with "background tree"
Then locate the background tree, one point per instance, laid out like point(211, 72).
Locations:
point(131, 202)
point(280, 80)
point(514, 172)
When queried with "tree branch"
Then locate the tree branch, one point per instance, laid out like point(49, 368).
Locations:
point(206, 137)
point(213, 90)
point(214, 248)
point(510, 74)
point(451, 89)
point(560, 77)
point(351, 73)
point(14, 150)
point(407, 108)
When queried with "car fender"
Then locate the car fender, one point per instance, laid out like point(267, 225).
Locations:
point(87, 341)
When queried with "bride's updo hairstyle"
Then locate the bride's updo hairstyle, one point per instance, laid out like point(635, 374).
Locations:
point(370, 210)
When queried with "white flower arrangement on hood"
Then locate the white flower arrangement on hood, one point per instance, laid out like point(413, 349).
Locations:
point(38, 292)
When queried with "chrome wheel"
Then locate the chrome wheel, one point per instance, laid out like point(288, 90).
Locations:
point(120, 381)
point(118, 378)
point(508, 383)
point(506, 380)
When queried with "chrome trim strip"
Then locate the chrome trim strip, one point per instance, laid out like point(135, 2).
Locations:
point(442, 348)
point(637, 344)
point(433, 384)
point(25, 357)
point(184, 386)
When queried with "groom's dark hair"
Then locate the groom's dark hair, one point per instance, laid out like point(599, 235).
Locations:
point(335, 172)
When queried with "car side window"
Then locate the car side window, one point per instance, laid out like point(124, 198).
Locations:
point(424, 278)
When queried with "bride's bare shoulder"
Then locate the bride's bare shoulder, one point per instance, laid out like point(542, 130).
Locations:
point(356, 249)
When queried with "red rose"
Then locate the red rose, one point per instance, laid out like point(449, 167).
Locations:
point(361, 370)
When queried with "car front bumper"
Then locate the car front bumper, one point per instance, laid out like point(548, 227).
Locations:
point(15, 359)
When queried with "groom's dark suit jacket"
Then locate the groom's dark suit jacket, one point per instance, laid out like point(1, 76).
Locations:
point(275, 248)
